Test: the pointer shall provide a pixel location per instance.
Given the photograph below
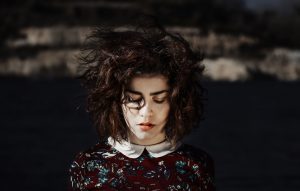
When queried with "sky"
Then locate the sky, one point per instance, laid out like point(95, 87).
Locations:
point(283, 6)
point(262, 4)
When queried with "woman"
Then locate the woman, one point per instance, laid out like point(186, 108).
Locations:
point(144, 96)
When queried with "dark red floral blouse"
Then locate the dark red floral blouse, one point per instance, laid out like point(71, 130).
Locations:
point(104, 168)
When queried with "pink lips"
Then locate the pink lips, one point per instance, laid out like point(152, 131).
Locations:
point(146, 126)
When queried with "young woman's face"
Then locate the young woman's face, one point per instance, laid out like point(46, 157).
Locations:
point(146, 109)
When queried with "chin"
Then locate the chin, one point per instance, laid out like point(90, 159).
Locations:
point(143, 136)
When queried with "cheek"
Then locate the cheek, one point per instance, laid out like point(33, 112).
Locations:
point(164, 111)
point(129, 114)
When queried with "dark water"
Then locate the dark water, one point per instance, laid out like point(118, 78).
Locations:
point(251, 130)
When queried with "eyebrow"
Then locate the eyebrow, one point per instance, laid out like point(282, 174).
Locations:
point(152, 93)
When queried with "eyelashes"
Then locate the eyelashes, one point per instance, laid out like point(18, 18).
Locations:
point(133, 103)
point(130, 100)
point(160, 101)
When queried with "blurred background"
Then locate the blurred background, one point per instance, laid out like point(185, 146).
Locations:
point(252, 59)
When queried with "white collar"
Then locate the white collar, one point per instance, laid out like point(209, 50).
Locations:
point(134, 151)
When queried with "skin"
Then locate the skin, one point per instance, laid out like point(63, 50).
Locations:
point(147, 101)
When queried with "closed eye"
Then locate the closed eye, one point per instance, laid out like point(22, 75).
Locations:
point(131, 100)
point(160, 100)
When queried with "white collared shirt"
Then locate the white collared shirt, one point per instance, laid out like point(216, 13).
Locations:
point(134, 151)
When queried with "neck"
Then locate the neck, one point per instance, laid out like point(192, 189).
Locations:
point(147, 141)
point(148, 144)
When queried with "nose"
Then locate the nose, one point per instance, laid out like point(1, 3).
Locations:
point(146, 110)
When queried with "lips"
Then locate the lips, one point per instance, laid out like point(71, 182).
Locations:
point(146, 126)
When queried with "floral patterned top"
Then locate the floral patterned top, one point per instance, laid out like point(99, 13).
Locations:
point(103, 167)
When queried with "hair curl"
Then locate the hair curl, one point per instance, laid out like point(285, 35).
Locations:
point(111, 58)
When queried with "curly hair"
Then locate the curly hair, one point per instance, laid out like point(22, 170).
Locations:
point(112, 57)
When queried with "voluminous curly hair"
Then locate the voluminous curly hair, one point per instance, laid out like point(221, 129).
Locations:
point(111, 58)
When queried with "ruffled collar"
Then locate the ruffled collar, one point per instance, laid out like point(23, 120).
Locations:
point(134, 151)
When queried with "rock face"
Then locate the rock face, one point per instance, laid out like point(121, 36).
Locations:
point(46, 63)
point(54, 54)
point(59, 58)
point(50, 36)
point(226, 69)
point(282, 63)
point(56, 47)
point(40, 37)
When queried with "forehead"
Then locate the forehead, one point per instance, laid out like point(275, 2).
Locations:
point(146, 83)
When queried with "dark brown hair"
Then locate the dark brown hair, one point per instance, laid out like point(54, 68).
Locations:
point(112, 58)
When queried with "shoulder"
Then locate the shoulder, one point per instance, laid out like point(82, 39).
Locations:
point(197, 156)
point(98, 152)
point(200, 164)
point(194, 153)
point(87, 165)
